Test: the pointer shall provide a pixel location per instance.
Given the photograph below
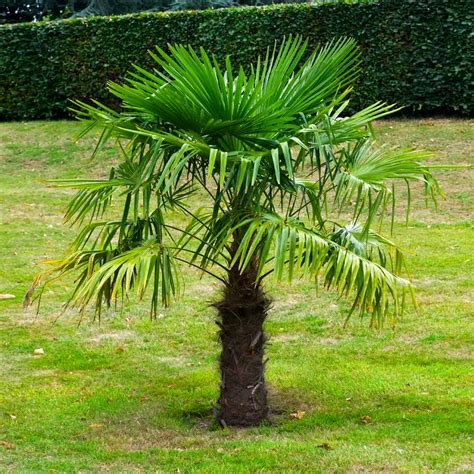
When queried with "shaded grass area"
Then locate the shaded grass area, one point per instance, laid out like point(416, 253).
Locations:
point(130, 394)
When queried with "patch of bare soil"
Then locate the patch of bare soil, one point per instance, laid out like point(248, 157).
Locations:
point(115, 335)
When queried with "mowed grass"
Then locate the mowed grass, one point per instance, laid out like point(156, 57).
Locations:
point(131, 394)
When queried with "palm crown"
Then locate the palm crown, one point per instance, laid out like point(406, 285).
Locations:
point(279, 162)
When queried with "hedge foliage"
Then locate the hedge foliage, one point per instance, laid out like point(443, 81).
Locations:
point(417, 53)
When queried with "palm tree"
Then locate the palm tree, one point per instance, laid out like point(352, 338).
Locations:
point(290, 186)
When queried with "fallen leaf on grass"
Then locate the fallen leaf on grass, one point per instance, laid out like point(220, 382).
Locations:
point(95, 425)
point(119, 350)
point(12, 416)
point(7, 444)
point(144, 398)
point(366, 419)
point(297, 414)
point(325, 446)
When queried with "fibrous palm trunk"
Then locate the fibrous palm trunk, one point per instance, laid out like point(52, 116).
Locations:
point(242, 312)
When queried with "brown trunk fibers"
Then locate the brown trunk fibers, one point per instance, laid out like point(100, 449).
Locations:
point(242, 312)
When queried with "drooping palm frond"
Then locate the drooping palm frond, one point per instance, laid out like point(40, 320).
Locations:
point(102, 276)
point(366, 174)
point(365, 270)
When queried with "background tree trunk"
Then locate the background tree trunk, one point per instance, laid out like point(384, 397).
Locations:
point(242, 312)
point(96, 8)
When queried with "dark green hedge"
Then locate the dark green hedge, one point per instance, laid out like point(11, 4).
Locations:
point(417, 53)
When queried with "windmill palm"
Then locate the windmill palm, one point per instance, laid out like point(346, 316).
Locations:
point(293, 187)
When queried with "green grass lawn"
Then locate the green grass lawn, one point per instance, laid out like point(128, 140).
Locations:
point(130, 394)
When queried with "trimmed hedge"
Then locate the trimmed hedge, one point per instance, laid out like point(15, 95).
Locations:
point(417, 53)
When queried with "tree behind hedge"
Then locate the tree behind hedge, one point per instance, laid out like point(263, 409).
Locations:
point(15, 11)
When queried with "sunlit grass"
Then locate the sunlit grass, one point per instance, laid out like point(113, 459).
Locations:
point(130, 394)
